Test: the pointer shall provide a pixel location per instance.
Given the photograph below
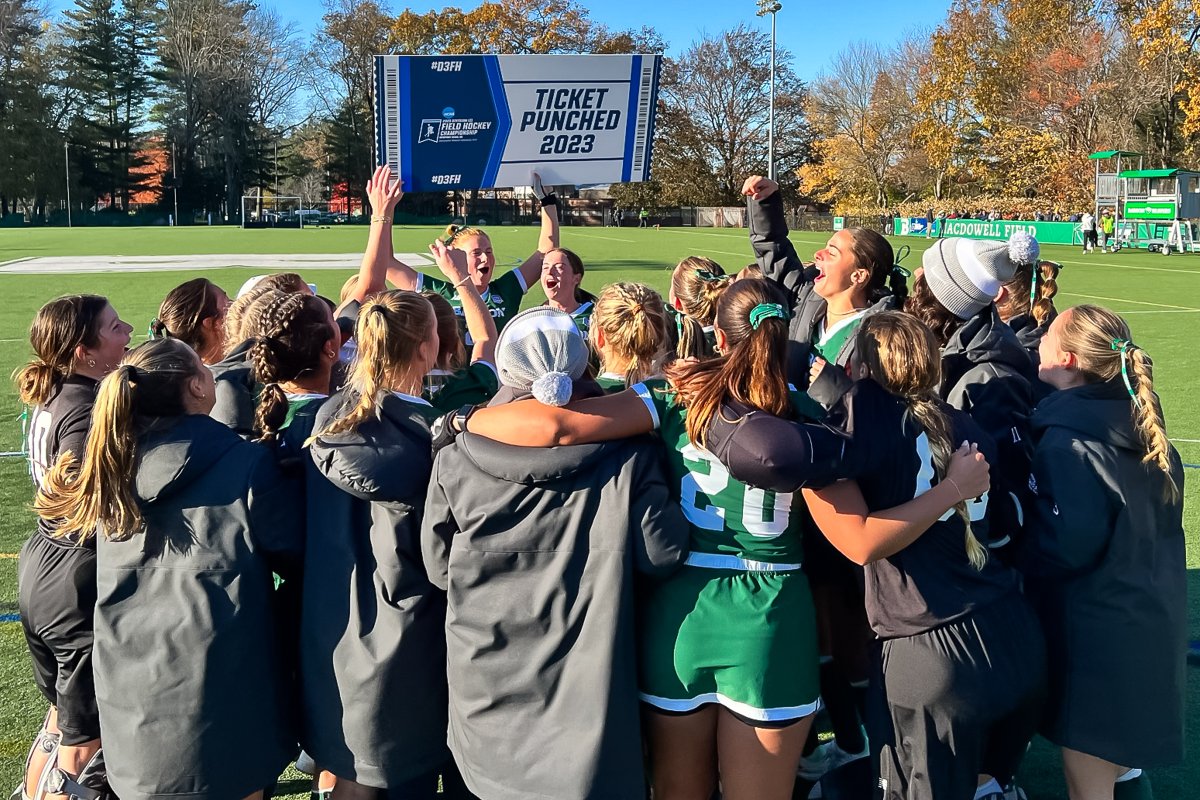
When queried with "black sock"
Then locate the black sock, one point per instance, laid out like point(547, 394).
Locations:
point(811, 743)
point(860, 698)
point(843, 713)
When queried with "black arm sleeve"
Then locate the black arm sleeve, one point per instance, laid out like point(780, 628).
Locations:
point(772, 248)
point(768, 452)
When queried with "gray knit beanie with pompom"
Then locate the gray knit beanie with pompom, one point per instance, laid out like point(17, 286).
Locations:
point(965, 274)
point(542, 352)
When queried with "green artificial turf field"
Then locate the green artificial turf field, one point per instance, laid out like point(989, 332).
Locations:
point(1159, 295)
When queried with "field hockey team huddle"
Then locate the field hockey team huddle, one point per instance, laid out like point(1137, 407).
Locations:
point(613, 546)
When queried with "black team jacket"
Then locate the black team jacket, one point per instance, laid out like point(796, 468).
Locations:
point(373, 661)
point(1104, 561)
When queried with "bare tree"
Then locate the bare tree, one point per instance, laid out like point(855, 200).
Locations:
point(856, 102)
point(714, 117)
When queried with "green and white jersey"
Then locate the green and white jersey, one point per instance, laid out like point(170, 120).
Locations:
point(727, 517)
point(611, 382)
point(471, 385)
point(583, 317)
point(834, 337)
point(502, 298)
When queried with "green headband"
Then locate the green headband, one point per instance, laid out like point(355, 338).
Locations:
point(710, 277)
point(1124, 346)
point(766, 311)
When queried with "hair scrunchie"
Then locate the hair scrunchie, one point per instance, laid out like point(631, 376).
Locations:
point(764, 311)
point(710, 277)
point(1124, 346)
point(131, 373)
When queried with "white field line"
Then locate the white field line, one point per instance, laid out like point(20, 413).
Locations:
point(1131, 266)
point(263, 261)
point(575, 233)
point(1127, 300)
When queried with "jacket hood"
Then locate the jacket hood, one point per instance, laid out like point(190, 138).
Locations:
point(172, 457)
point(387, 458)
point(1029, 332)
point(1100, 411)
point(532, 465)
point(983, 339)
point(234, 362)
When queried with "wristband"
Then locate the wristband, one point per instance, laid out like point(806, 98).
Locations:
point(549, 200)
point(383, 219)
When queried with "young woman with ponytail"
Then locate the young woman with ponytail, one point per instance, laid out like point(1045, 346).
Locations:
point(852, 277)
point(1105, 558)
point(562, 281)
point(372, 629)
point(191, 523)
point(77, 340)
point(629, 332)
point(958, 670)
point(502, 294)
point(194, 313)
point(697, 283)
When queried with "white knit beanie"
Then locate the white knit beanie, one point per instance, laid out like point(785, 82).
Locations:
point(541, 351)
point(965, 275)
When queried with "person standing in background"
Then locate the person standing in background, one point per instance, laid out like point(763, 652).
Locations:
point(1087, 226)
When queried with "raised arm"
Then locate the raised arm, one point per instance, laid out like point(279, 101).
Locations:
point(481, 326)
point(383, 196)
point(769, 234)
point(530, 423)
point(862, 536)
point(531, 270)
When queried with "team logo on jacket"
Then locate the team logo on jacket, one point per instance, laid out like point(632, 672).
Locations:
point(1033, 484)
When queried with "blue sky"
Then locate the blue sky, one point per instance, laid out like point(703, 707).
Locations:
point(812, 31)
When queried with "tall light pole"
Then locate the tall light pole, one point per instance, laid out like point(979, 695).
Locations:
point(175, 182)
point(67, 168)
point(770, 7)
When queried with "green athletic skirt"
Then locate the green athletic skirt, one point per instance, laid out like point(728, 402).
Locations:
point(746, 640)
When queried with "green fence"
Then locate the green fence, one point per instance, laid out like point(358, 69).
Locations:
point(1044, 232)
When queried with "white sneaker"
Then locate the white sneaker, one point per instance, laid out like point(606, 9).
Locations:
point(828, 757)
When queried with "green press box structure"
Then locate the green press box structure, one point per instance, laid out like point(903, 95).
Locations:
point(1153, 208)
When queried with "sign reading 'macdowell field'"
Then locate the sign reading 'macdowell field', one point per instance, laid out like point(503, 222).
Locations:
point(477, 122)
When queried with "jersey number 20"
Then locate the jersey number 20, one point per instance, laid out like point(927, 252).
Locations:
point(764, 513)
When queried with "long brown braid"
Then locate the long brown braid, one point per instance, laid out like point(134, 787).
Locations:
point(292, 330)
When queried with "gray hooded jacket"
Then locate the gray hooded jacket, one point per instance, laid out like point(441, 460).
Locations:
point(193, 692)
point(538, 550)
point(373, 646)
